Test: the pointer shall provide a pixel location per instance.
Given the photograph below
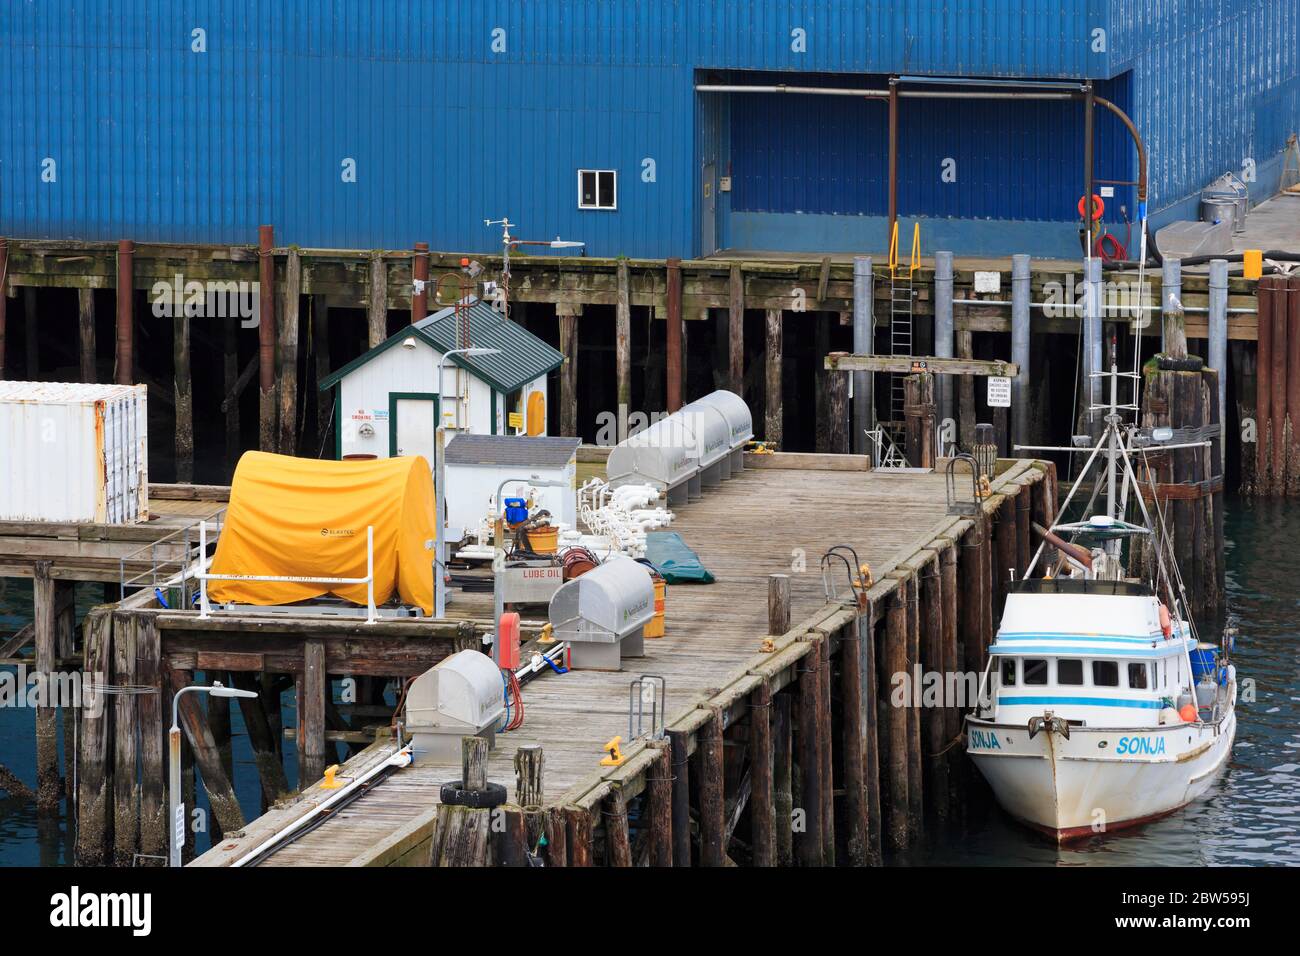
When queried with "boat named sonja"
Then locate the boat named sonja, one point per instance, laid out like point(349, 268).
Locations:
point(1099, 709)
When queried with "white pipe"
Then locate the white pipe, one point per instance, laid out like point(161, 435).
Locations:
point(401, 758)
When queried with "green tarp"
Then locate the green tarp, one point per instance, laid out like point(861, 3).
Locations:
point(676, 562)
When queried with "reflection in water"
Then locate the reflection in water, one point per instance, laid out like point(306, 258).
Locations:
point(1250, 816)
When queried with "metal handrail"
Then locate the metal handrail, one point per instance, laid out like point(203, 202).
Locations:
point(152, 547)
point(203, 576)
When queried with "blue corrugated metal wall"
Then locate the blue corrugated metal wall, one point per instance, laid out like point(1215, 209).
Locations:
point(456, 112)
point(1020, 160)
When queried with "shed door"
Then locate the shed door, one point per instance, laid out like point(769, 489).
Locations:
point(709, 210)
point(415, 421)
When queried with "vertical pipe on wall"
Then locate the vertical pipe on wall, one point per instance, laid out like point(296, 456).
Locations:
point(4, 307)
point(864, 328)
point(124, 373)
point(943, 333)
point(420, 273)
point(674, 336)
point(1089, 116)
point(893, 155)
point(1218, 332)
point(1092, 328)
point(1020, 287)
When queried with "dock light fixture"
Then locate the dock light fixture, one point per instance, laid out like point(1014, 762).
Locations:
point(440, 483)
point(176, 839)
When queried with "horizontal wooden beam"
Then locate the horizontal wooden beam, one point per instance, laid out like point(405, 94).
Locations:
point(845, 362)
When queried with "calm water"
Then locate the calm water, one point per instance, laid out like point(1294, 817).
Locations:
point(1251, 816)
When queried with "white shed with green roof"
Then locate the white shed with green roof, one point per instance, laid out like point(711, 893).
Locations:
point(386, 402)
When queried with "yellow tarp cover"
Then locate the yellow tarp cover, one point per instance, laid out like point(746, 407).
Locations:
point(300, 517)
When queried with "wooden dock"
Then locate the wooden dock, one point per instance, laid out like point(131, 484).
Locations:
point(763, 719)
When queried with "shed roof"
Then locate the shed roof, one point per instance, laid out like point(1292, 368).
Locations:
point(546, 452)
point(524, 357)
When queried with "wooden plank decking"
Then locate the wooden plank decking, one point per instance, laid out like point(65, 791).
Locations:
point(761, 522)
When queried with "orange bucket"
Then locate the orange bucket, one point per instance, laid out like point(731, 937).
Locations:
point(655, 626)
point(544, 540)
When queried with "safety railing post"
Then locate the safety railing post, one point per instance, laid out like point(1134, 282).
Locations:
point(205, 610)
point(371, 614)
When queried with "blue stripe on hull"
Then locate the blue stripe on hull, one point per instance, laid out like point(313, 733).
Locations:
point(1080, 701)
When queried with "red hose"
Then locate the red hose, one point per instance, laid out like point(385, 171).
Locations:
point(1117, 252)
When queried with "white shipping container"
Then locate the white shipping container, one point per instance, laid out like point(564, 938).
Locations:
point(73, 453)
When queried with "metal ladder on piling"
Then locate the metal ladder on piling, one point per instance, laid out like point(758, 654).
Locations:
point(902, 296)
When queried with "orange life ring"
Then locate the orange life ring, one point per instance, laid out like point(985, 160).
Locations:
point(1098, 207)
point(1166, 623)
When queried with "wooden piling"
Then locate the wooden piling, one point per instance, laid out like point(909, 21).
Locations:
point(124, 364)
point(320, 334)
point(420, 273)
point(222, 737)
point(659, 784)
point(530, 765)
point(509, 837)
point(262, 739)
point(31, 334)
point(126, 784)
point(853, 688)
point(773, 429)
point(266, 334)
point(837, 412)
point(86, 333)
point(916, 740)
point(825, 737)
point(618, 846)
point(1024, 550)
point(712, 801)
point(782, 783)
point(311, 715)
point(623, 337)
point(778, 603)
point(288, 354)
point(919, 410)
point(377, 301)
point(568, 319)
point(894, 764)
point(681, 828)
point(1281, 348)
point(1265, 303)
point(673, 347)
point(1292, 428)
point(47, 711)
point(951, 662)
point(184, 395)
point(94, 783)
point(149, 714)
point(580, 837)
point(933, 714)
point(557, 837)
point(221, 794)
point(232, 383)
point(736, 330)
point(1006, 537)
point(762, 811)
point(808, 845)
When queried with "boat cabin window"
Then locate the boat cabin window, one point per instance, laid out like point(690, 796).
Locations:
point(1035, 671)
point(1008, 672)
point(1137, 676)
point(1105, 673)
point(1069, 671)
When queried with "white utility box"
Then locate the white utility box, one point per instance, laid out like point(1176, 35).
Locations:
point(74, 453)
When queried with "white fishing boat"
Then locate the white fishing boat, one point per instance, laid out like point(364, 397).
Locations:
point(1099, 709)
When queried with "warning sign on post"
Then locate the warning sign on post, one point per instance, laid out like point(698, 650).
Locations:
point(999, 391)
